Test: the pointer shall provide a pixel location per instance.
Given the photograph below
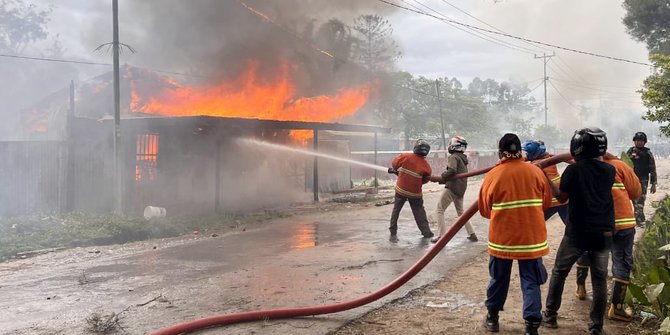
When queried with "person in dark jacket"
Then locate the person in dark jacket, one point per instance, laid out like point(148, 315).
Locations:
point(413, 171)
point(588, 185)
point(454, 189)
point(645, 169)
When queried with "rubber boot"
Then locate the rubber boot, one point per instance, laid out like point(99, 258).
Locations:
point(617, 311)
point(582, 273)
point(531, 327)
point(491, 322)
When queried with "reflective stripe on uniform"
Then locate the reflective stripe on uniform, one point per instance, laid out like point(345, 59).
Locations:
point(517, 204)
point(519, 248)
point(409, 172)
point(618, 186)
point(624, 221)
point(555, 179)
point(407, 193)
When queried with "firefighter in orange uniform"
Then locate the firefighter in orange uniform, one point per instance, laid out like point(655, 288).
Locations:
point(513, 196)
point(536, 151)
point(413, 171)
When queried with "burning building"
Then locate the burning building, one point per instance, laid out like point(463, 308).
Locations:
point(179, 143)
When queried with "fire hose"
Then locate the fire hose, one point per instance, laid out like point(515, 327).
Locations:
point(262, 315)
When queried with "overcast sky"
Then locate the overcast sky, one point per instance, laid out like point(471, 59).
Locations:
point(433, 48)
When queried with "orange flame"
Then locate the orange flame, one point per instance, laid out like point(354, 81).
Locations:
point(247, 96)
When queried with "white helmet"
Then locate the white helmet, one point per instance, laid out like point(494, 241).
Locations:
point(457, 144)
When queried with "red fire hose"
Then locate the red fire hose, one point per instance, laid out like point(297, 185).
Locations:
point(229, 319)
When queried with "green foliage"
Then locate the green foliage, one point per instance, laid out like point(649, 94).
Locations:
point(650, 285)
point(656, 92)
point(22, 234)
point(375, 49)
point(649, 21)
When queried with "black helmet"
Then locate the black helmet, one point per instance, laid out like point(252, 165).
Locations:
point(640, 136)
point(421, 147)
point(588, 142)
point(509, 146)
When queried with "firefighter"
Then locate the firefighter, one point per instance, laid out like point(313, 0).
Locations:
point(645, 169)
point(454, 190)
point(535, 150)
point(413, 171)
point(588, 184)
point(514, 196)
point(626, 188)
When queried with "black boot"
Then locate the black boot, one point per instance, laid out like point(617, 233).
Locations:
point(582, 273)
point(491, 322)
point(617, 311)
point(531, 327)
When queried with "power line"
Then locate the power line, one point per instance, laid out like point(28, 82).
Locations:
point(562, 96)
point(515, 37)
point(566, 82)
point(489, 25)
point(57, 60)
point(469, 30)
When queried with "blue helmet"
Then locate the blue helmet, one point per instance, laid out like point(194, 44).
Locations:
point(534, 149)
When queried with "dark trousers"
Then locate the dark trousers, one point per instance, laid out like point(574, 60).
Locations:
point(638, 204)
point(532, 274)
point(562, 211)
point(418, 211)
point(622, 254)
point(567, 255)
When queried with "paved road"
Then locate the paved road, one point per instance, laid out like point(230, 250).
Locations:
point(322, 258)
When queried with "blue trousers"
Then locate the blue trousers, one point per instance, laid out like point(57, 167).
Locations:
point(532, 274)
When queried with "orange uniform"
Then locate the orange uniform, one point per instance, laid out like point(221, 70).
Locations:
point(412, 169)
point(626, 187)
point(514, 196)
point(552, 173)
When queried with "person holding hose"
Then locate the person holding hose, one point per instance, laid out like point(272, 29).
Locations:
point(413, 171)
point(514, 196)
point(588, 184)
point(454, 189)
point(645, 169)
point(626, 188)
point(536, 151)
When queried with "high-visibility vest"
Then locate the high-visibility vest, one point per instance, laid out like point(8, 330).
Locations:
point(552, 173)
point(626, 188)
point(514, 196)
point(412, 169)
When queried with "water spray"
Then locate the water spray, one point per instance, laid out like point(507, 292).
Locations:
point(250, 141)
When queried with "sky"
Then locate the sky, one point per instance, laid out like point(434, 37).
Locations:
point(430, 47)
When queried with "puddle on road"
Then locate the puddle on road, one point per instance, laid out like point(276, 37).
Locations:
point(304, 235)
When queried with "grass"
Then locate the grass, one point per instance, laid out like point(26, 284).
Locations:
point(38, 232)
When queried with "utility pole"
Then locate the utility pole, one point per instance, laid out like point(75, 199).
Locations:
point(439, 105)
point(545, 60)
point(118, 162)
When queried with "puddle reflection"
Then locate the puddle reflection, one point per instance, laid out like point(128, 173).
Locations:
point(304, 236)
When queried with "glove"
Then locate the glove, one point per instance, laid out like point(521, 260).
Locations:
point(392, 171)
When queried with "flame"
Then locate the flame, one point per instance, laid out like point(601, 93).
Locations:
point(247, 96)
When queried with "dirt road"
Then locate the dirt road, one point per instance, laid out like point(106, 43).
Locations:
point(336, 254)
point(455, 304)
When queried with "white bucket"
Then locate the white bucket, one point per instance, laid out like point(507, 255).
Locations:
point(152, 212)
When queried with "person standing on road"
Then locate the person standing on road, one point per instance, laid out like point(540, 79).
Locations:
point(588, 185)
point(513, 196)
point(535, 151)
point(645, 169)
point(413, 171)
point(454, 189)
point(626, 188)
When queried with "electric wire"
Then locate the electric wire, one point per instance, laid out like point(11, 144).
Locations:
point(471, 31)
point(562, 96)
point(516, 37)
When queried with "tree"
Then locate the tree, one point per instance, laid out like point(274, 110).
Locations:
point(21, 24)
point(375, 49)
point(649, 21)
point(656, 92)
